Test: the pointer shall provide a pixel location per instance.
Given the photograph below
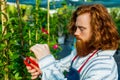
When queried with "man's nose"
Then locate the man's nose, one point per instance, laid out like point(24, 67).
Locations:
point(77, 32)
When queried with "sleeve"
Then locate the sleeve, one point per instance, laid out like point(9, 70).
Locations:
point(102, 69)
point(53, 69)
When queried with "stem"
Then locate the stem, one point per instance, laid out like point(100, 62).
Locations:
point(4, 32)
point(20, 24)
point(36, 18)
point(48, 15)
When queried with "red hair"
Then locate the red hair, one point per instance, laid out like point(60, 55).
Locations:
point(105, 32)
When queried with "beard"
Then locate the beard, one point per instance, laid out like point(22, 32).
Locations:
point(83, 47)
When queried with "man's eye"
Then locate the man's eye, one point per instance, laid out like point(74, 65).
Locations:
point(81, 29)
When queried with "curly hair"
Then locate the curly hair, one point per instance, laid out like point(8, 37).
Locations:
point(105, 32)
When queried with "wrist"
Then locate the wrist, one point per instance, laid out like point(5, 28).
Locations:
point(46, 61)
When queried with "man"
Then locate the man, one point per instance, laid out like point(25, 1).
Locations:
point(97, 41)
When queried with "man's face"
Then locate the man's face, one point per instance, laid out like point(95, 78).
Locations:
point(83, 32)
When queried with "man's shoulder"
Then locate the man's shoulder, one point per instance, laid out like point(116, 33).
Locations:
point(105, 56)
point(106, 52)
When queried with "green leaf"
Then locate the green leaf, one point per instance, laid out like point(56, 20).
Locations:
point(17, 77)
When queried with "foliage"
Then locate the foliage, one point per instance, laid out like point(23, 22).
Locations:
point(21, 37)
point(115, 13)
point(61, 19)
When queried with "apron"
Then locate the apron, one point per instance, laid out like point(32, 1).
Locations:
point(74, 74)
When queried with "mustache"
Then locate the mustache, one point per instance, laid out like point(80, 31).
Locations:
point(78, 38)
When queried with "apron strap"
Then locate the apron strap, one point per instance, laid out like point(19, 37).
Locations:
point(79, 70)
point(73, 60)
point(87, 60)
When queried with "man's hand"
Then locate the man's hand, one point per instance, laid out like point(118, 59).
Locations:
point(40, 50)
point(35, 71)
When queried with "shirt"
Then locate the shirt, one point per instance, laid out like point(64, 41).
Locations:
point(101, 66)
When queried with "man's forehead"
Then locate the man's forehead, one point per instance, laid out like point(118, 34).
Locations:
point(83, 20)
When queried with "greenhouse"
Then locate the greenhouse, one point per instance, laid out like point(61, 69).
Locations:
point(25, 23)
